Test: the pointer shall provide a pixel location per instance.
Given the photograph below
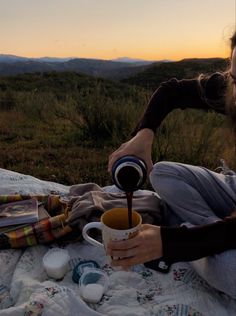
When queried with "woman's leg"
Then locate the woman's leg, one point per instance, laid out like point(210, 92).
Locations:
point(193, 194)
point(219, 271)
point(199, 196)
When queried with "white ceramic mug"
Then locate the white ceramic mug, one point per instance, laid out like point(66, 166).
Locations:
point(114, 225)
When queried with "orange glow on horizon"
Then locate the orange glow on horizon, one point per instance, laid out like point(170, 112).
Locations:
point(149, 54)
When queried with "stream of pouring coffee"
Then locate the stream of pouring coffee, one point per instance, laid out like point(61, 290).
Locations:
point(129, 196)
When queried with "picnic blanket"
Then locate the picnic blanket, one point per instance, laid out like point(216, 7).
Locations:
point(25, 288)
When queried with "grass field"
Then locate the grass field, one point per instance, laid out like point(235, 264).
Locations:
point(67, 135)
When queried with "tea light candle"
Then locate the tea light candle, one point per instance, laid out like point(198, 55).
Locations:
point(92, 292)
point(55, 263)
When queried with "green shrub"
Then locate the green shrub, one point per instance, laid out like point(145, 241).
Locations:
point(108, 118)
point(191, 136)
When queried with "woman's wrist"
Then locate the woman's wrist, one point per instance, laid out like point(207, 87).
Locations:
point(146, 134)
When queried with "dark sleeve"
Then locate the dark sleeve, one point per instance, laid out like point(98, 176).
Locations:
point(188, 244)
point(206, 93)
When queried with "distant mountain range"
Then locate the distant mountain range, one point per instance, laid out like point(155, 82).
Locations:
point(5, 58)
point(119, 68)
point(139, 62)
point(129, 70)
point(134, 61)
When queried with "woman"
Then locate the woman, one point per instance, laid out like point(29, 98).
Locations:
point(200, 202)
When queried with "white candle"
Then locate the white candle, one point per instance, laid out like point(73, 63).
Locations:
point(55, 263)
point(92, 292)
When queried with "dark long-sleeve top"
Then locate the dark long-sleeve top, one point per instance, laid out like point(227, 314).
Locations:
point(187, 244)
point(205, 93)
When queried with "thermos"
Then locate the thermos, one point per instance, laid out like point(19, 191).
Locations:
point(129, 173)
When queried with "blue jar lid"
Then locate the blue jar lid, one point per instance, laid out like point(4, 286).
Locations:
point(81, 267)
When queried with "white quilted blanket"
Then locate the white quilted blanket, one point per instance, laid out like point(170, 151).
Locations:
point(26, 290)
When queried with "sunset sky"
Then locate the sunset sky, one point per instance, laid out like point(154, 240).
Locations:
point(107, 29)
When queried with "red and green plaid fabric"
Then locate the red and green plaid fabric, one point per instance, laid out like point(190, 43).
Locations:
point(44, 231)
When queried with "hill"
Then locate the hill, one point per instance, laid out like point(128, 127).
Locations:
point(187, 68)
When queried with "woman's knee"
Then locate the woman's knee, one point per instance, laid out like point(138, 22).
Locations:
point(164, 168)
point(162, 171)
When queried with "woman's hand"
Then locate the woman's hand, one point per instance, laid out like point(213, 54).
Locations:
point(140, 145)
point(144, 247)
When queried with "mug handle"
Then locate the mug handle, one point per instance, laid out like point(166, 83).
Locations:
point(89, 239)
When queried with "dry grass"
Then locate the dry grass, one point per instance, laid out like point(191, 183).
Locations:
point(69, 139)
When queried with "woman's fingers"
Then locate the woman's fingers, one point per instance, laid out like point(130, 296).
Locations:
point(145, 246)
point(124, 244)
point(114, 156)
point(121, 254)
point(125, 262)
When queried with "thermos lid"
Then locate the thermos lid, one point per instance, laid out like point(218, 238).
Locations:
point(129, 173)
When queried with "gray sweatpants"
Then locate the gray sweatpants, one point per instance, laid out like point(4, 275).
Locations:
point(197, 196)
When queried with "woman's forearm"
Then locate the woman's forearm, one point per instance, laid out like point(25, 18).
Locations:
point(191, 243)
